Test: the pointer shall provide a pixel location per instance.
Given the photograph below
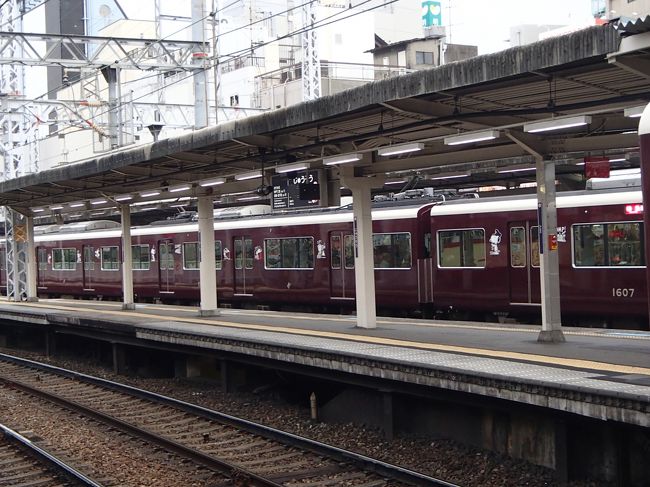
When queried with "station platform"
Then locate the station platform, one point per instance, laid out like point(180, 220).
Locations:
point(604, 374)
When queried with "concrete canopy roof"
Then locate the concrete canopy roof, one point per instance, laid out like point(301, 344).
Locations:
point(592, 72)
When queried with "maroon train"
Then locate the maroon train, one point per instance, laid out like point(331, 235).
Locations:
point(468, 258)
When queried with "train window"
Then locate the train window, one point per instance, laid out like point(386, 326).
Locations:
point(348, 248)
point(217, 254)
point(191, 255)
point(461, 248)
point(427, 245)
point(239, 254)
point(64, 259)
point(607, 245)
point(392, 250)
point(166, 259)
point(140, 256)
point(110, 259)
point(518, 247)
point(41, 258)
point(534, 246)
point(89, 258)
point(289, 253)
point(335, 251)
point(249, 253)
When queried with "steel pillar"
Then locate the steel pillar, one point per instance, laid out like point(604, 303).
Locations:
point(30, 257)
point(311, 82)
point(644, 144)
point(112, 77)
point(127, 259)
point(548, 249)
point(199, 55)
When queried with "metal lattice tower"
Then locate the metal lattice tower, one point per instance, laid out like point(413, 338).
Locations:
point(310, 58)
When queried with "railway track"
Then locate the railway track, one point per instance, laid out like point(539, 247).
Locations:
point(23, 463)
point(247, 453)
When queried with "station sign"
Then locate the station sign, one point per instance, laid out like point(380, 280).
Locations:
point(299, 189)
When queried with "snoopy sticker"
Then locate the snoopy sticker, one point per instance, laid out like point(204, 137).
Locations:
point(258, 252)
point(495, 240)
point(321, 249)
point(226, 253)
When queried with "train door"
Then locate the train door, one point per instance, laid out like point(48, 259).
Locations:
point(166, 266)
point(341, 265)
point(41, 260)
point(523, 263)
point(243, 247)
point(88, 267)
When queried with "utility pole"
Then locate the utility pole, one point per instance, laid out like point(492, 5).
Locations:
point(311, 86)
point(199, 56)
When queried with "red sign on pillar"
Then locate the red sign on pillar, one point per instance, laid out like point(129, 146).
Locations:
point(596, 167)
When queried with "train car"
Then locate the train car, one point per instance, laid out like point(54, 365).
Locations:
point(485, 258)
point(304, 260)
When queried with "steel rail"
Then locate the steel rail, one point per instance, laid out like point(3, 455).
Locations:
point(232, 471)
point(367, 463)
point(50, 459)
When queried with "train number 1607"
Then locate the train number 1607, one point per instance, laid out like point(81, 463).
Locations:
point(622, 292)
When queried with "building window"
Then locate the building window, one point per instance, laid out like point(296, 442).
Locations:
point(140, 257)
point(289, 253)
point(64, 259)
point(392, 250)
point(423, 57)
point(608, 245)
point(191, 256)
point(461, 248)
point(110, 260)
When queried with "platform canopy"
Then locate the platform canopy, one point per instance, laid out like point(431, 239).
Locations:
point(599, 74)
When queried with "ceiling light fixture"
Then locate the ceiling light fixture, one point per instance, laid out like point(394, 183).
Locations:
point(503, 171)
point(147, 194)
point(342, 159)
point(76, 204)
point(99, 201)
point(178, 189)
point(123, 197)
point(299, 166)
point(634, 112)
point(556, 123)
point(471, 137)
point(450, 177)
point(248, 198)
point(248, 175)
point(206, 183)
point(394, 150)
point(38, 210)
point(56, 207)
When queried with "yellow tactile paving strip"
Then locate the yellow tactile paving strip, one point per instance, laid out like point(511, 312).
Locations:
point(498, 354)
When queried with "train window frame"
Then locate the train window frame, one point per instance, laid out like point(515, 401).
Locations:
point(140, 261)
point(537, 254)
point(88, 251)
point(266, 254)
point(525, 242)
point(348, 237)
point(438, 248)
point(117, 259)
point(218, 255)
point(333, 256)
point(40, 252)
point(198, 257)
point(608, 266)
point(410, 240)
point(74, 261)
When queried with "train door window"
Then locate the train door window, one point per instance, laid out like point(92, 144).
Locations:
point(217, 255)
point(607, 244)
point(335, 251)
point(191, 256)
point(461, 248)
point(166, 256)
point(534, 246)
point(427, 245)
point(249, 252)
point(140, 257)
point(41, 257)
point(392, 250)
point(239, 254)
point(110, 259)
point(518, 247)
point(349, 251)
point(64, 259)
point(289, 253)
point(3, 260)
point(89, 258)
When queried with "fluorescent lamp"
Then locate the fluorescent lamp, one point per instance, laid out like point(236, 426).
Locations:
point(393, 150)
point(450, 177)
point(248, 198)
point(76, 215)
point(471, 137)
point(299, 166)
point(618, 159)
point(147, 194)
point(248, 175)
point(97, 213)
point(38, 210)
point(99, 201)
point(57, 207)
point(516, 170)
point(634, 112)
point(76, 204)
point(342, 159)
point(395, 181)
point(556, 123)
point(178, 189)
point(206, 183)
point(123, 197)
